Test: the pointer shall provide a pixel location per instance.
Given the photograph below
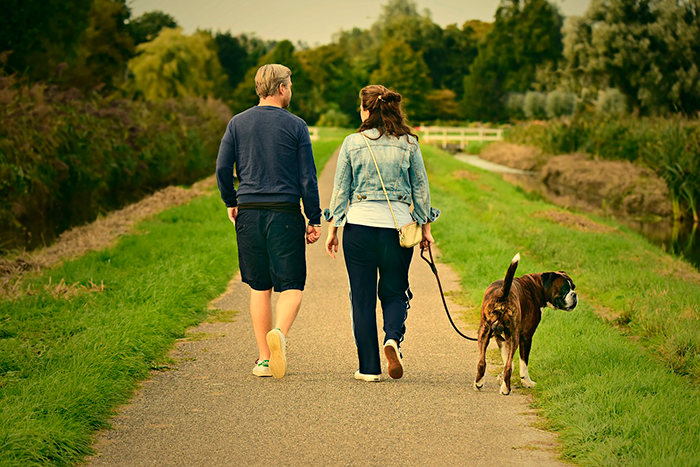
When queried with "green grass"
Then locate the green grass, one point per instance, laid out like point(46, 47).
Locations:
point(66, 363)
point(618, 395)
point(475, 147)
point(329, 140)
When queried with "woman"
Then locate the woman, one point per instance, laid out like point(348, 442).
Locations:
point(370, 238)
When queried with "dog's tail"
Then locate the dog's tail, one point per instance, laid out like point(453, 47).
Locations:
point(508, 281)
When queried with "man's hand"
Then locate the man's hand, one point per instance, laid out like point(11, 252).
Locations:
point(312, 234)
point(232, 213)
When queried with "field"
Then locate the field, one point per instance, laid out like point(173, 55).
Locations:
point(617, 377)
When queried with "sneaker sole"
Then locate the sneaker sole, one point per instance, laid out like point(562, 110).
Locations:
point(262, 375)
point(394, 362)
point(368, 378)
point(278, 361)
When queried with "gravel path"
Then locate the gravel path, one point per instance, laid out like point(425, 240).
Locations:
point(210, 410)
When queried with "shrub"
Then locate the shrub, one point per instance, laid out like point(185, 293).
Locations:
point(514, 106)
point(559, 103)
point(534, 105)
point(611, 103)
point(334, 117)
point(65, 157)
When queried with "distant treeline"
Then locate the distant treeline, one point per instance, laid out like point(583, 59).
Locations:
point(647, 51)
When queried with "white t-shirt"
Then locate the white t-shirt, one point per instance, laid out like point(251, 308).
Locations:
point(378, 214)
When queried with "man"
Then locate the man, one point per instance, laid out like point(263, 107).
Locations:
point(271, 151)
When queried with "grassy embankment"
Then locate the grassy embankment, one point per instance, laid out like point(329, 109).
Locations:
point(69, 355)
point(622, 391)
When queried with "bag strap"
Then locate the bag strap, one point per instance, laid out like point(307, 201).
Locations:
point(381, 180)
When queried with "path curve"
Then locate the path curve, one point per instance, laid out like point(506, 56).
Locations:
point(211, 411)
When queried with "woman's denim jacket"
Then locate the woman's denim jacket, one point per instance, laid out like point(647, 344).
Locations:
point(401, 163)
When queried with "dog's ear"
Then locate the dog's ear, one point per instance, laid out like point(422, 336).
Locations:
point(568, 278)
point(548, 278)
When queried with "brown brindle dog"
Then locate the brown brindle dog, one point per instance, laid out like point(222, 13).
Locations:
point(511, 311)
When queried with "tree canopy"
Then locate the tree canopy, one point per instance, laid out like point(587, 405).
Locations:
point(648, 49)
point(147, 26)
point(176, 65)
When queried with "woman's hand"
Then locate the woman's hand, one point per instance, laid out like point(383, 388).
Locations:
point(332, 241)
point(427, 237)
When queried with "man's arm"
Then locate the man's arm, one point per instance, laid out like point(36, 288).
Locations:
point(225, 162)
point(308, 180)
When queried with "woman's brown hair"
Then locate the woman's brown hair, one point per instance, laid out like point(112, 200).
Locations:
point(385, 112)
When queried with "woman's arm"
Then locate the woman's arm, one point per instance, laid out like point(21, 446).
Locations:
point(332, 241)
point(423, 212)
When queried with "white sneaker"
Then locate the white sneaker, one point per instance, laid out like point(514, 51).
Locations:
point(262, 368)
point(278, 353)
point(393, 359)
point(369, 378)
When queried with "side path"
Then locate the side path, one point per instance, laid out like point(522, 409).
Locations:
point(212, 411)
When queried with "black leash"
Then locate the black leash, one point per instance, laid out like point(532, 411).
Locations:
point(431, 263)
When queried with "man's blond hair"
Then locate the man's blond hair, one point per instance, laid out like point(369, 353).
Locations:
point(269, 77)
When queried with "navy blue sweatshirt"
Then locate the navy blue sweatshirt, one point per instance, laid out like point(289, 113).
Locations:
point(271, 151)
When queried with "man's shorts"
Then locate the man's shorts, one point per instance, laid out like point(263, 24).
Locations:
point(271, 249)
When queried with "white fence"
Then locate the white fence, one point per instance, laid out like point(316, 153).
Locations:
point(437, 134)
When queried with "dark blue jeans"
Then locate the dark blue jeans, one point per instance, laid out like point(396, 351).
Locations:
point(369, 250)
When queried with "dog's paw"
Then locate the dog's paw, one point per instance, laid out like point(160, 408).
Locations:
point(479, 384)
point(504, 389)
point(528, 383)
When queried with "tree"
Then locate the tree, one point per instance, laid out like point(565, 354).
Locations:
point(442, 104)
point(524, 38)
point(147, 26)
point(233, 58)
point(648, 49)
point(41, 33)
point(104, 48)
point(237, 54)
point(459, 50)
point(333, 77)
point(175, 65)
point(404, 70)
point(477, 29)
point(303, 100)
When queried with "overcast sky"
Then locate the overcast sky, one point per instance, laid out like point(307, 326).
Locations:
point(313, 21)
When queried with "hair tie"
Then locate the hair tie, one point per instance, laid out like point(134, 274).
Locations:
point(380, 98)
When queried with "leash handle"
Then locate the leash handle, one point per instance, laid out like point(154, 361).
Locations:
point(431, 263)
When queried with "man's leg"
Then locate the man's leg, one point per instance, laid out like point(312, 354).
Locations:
point(286, 246)
point(261, 316)
point(287, 308)
point(255, 271)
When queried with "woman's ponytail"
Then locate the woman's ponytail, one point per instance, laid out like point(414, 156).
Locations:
point(385, 112)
